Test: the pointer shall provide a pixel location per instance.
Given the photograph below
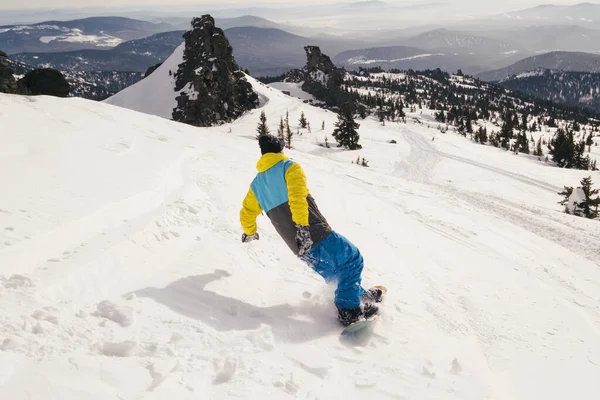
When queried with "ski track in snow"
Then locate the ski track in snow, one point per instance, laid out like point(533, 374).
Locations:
point(136, 286)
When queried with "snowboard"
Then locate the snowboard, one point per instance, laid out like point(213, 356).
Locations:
point(362, 324)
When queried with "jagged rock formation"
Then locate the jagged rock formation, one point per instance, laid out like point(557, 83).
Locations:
point(8, 83)
point(212, 88)
point(321, 78)
point(320, 73)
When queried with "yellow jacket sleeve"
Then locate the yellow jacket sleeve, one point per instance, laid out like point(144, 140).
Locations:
point(297, 193)
point(250, 210)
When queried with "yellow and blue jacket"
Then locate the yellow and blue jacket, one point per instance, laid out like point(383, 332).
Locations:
point(279, 189)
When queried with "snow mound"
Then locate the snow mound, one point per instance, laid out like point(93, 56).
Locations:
point(16, 281)
point(118, 314)
point(154, 94)
point(577, 197)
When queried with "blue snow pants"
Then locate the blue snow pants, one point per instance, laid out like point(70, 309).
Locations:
point(337, 260)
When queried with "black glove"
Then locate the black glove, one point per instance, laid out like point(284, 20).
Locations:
point(246, 238)
point(303, 240)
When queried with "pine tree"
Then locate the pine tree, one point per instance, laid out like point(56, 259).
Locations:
point(591, 203)
point(381, 115)
point(506, 132)
point(522, 143)
point(561, 148)
point(469, 125)
point(538, 148)
point(323, 126)
point(262, 129)
point(483, 135)
point(302, 120)
point(566, 193)
point(589, 142)
point(288, 131)
point(524, 119)
point(579, 161)
point(281, 129)
point(440, 117)
point(345, 132)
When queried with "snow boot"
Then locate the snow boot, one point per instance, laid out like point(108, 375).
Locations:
point(374, 294)
point(349, 316)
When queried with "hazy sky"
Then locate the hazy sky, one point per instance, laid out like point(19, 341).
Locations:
point(476, 5)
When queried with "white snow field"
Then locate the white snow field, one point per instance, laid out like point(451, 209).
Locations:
point(123, 275)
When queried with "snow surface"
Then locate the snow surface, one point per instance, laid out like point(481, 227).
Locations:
point(123, 275)
point(295, 89)
point(154, 94)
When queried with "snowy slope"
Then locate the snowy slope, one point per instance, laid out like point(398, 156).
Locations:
point(148, 95)
point(123, 274)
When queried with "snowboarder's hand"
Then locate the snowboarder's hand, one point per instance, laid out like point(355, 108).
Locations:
point(303, 239)
point(246, 238)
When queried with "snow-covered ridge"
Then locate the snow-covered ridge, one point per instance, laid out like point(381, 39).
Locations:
point(144, 95)
point(365, 60)
point(64, 34)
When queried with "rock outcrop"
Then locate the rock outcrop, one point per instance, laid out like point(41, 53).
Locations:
point(8, 84)
point(152, 69)
point(212, 88)
point(44, 81)
point(321, 76)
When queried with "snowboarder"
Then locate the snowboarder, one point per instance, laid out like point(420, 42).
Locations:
point(280, 190)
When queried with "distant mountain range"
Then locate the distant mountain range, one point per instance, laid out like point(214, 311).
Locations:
point(579, 89)
point(400, 57)
point(88, 33)
point(557, 60)
point(440, 48)
point(461, 42)
point(585, 14)
point(542, 38)
point(263, 51)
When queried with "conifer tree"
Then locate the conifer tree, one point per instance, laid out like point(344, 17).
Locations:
point(281, 129)
point(288, 131)
point(262, 129)
point(579, 161)
point(538, 148)
point(381, 115)
point(345, 132)
point(482, 135)
point(302, 120)
point(522, 143)
point(566, 193)
point(323, 126)
point(589, 206)
point(589, 142)
point(524, 118)
point(561, 148)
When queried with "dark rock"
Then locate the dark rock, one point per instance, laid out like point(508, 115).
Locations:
point(295, 76)
point(322, 78)
point(152, 69)
point(212, 87)
point(8, 83)
point(44, 81)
